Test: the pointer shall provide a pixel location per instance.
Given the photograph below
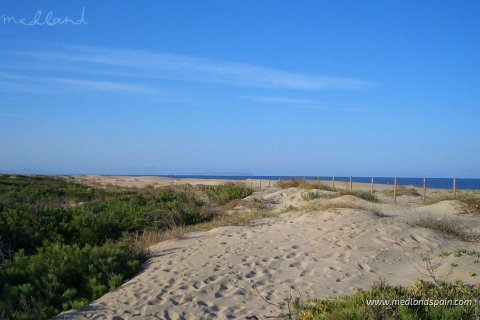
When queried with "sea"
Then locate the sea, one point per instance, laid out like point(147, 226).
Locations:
point(431, 183)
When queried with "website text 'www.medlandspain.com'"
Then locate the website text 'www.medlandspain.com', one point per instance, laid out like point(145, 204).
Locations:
point(421, 302)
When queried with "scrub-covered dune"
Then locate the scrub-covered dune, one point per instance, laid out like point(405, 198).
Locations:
point(320, 244)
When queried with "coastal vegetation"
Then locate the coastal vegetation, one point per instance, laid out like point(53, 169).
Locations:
point(448, 227)
point(433, 296)
point(359, 194)
point(225, 193)
point(469, 200)
point(64, 244)
point(309, 185)
point(303, 184)
point(310, 195)
point(401, 191)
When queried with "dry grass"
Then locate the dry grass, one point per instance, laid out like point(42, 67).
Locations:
point(470, 201)
point(147, 238)
point(448, 227)
point(302, 184)
point(324, 206)
point(401, 191)
point(439, 198)
point(254, 203)
point(359, 194)
point(309, 185)
point(246, 218)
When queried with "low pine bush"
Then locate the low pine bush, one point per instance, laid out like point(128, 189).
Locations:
point(61, 277)
point(226, 193)
point(64, 244)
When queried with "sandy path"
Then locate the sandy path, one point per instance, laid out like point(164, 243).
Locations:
point(213, 275)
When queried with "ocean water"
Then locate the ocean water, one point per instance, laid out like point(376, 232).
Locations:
point(432, 183)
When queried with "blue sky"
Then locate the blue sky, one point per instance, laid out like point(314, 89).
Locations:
point(263, 87)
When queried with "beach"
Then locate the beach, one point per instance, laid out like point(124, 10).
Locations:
point(316, 248)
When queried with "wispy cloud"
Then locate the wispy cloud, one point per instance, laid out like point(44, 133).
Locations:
point(104, 85)
point(146, 64)
point(280, 100)
point(304, 103)
point(88, 84)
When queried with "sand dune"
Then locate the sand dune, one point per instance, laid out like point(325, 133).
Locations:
point(231, 272)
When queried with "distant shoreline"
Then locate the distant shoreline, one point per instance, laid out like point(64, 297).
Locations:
point(431, 183)
point(435, 183)
point(341, 182)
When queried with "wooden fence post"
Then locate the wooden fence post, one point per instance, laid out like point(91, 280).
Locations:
point(260, 184)
point(395, 191)
point(371, 187)
point(333, 182)
point(424, 188)
point(351, 186)
point(454, 187)
point(269, 183)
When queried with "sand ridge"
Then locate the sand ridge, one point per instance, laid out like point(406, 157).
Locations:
point(229, 272)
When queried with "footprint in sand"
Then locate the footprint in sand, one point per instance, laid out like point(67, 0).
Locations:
point(291, 255)
point(220, 292)
point(305, 272)
point(210, 279)
point(364, 267)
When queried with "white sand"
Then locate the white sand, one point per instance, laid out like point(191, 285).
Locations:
point(319, 253)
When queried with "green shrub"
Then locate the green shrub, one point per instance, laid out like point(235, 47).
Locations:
point(310, 195)
point(133, 212)
point(63, 244)
point(60, 277)
point(465, 252)
point(37, 191)
point(226, 193)
point(355, 306)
